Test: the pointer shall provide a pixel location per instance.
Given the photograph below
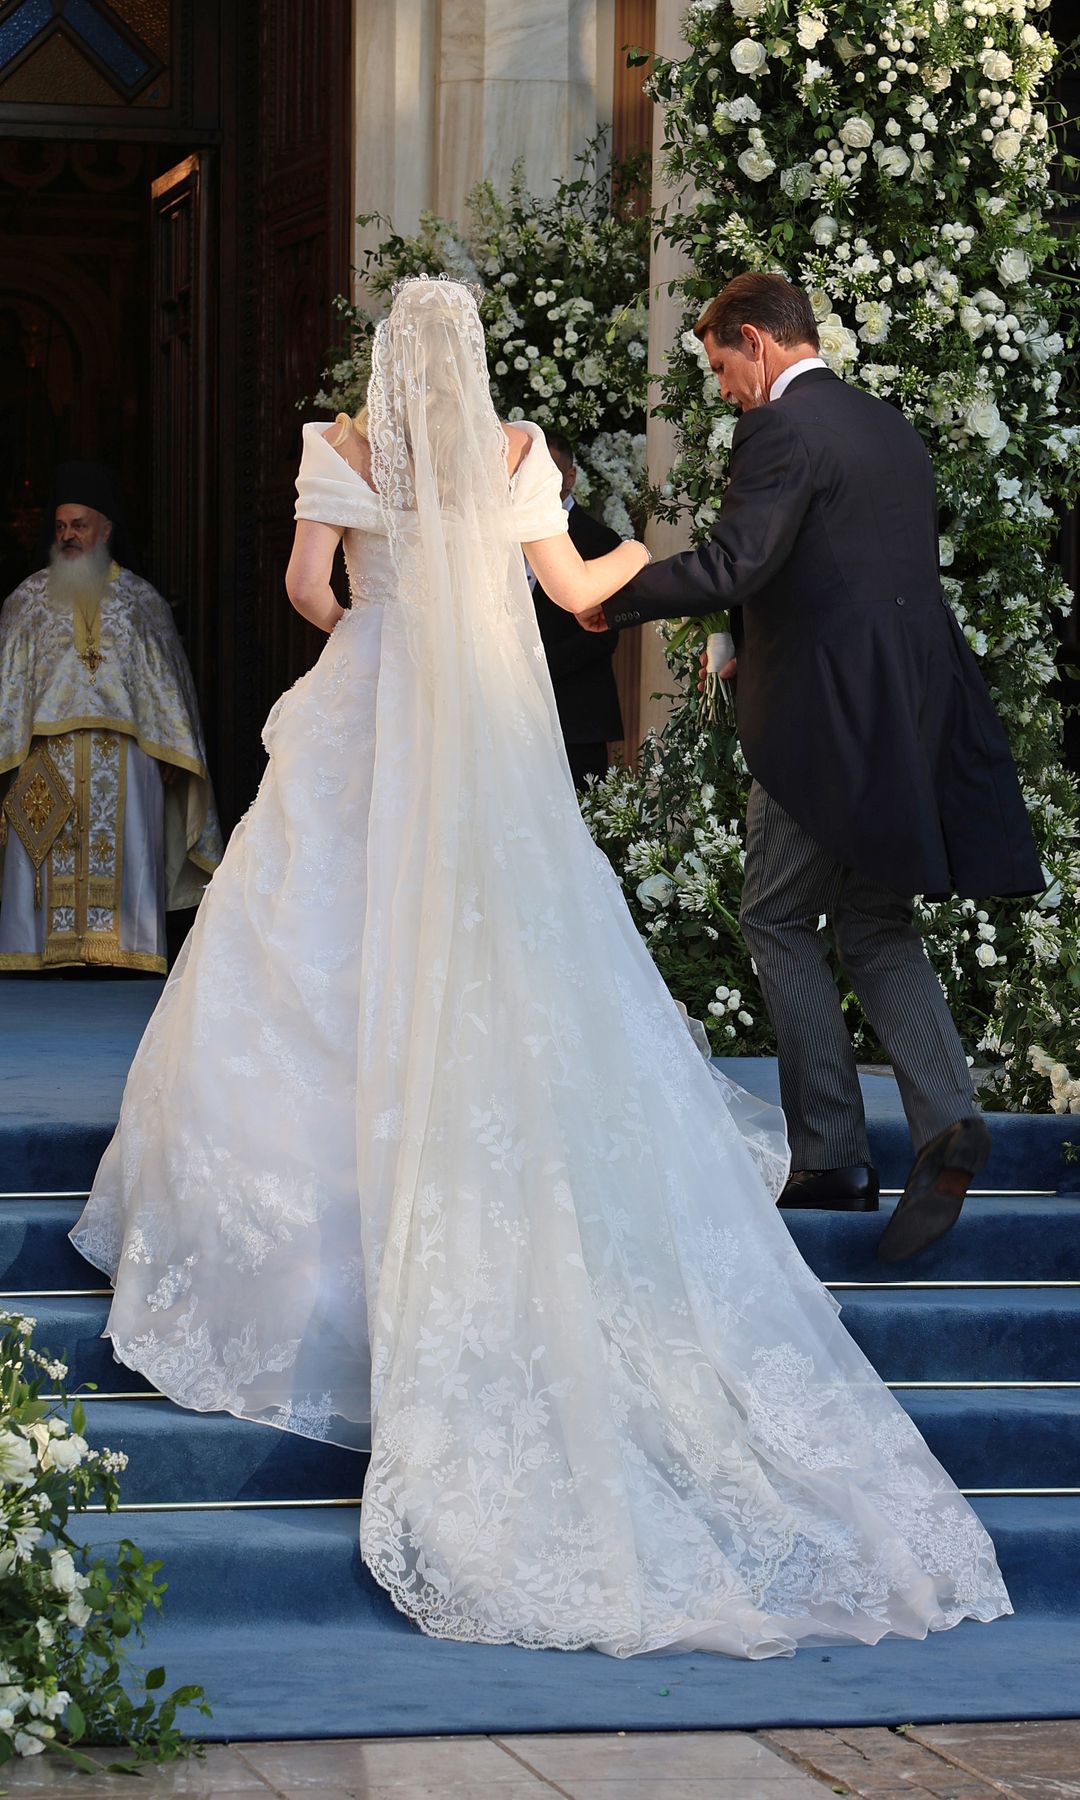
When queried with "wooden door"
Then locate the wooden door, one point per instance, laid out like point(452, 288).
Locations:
point(183, 562)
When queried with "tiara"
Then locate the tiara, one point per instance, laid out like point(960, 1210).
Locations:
point(474, 289)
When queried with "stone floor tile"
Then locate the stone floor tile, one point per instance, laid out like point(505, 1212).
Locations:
point(877, 1764)
point(427, 1790)
point(452, 1766)
point(219, 1771)
point(655, 1787)
point(643, 1756)
point(1001, 1750)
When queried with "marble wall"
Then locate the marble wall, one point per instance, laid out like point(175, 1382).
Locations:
point(452, 92)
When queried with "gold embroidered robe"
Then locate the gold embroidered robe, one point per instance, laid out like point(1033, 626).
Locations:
point(86, 718)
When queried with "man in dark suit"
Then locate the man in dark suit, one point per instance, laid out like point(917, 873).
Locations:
point(880, 768)
point(580, 664)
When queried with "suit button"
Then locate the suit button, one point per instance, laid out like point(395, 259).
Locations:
point(900, 601)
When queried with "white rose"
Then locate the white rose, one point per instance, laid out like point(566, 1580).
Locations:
point(824, 230)
point(756, 164)
point(63, 1573)
point(996, 66)
point(655, 890)
point(839, 345)
point(971, 320)
point(982, 417)
point(998, 438)
point(1006, 146)
point(857, 133)
point(1013, 266)
point(78, 1612)
point(893, 161)
point(66, 1454)
point(946, 552)
point(747, 9)
point(749, 56)
point(25, 1745)
point(797, 182)
point(988, 302)
point(17, 1460)
point(811, 30)
point(820, 304)
point(986, 955)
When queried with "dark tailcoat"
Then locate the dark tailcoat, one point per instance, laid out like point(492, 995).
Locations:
point(580, 661)
point(861, 708)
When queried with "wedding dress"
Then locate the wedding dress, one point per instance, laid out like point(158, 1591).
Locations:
point(417, 1137)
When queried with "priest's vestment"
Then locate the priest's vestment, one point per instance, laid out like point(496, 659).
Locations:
point(94, 846)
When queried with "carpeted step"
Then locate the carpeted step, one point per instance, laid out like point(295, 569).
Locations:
point(1029, 1149)
point(1001, 1437)
point(178, 1456)
point(1022, 1238)
point(968, 1334)
point(362, 1680)
point(292, 1564)
point(70, 1327)
point(985, 1437)
point(35, 1251)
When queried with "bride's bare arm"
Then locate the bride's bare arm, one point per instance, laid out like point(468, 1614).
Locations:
point(307, 578)
point(578, 586)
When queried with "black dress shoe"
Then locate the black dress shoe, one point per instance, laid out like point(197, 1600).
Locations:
point(936, 1189)
point(832, 1190)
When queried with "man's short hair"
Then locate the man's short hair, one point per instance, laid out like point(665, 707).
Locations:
point(769, 302)
point(561, 446)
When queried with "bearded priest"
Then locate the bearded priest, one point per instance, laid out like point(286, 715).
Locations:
point(108, 815)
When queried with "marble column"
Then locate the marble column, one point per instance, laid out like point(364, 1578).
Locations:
point(396, 43)
point(514, 83)
point(665, 323)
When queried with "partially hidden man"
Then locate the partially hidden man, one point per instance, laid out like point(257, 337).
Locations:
point(108, 817)
point(880, 768)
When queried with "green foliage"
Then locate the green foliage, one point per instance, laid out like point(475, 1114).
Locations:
point(895, 162)
point(563, 284)
point(66, 1617)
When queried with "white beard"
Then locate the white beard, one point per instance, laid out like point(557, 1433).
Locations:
point(79, 582)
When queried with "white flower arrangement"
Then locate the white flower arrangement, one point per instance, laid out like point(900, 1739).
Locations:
point(64, 1617)
point(563, 305)
point(910, 161)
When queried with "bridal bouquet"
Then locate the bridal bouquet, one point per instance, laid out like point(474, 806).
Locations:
point(708, 636)
point(63, 1673)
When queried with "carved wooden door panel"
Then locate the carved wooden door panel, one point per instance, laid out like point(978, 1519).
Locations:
point(304, 202)
point(182, 550)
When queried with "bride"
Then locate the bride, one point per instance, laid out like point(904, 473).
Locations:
point(417, 1141)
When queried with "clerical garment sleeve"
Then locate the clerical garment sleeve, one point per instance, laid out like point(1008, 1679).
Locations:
point(760, 518)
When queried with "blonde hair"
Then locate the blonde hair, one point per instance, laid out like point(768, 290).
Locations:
point(358, 422)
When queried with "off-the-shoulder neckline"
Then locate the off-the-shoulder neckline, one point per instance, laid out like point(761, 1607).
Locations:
point(320, 427)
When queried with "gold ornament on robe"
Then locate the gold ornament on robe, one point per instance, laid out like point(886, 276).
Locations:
point(37, 806)
point(87, 622)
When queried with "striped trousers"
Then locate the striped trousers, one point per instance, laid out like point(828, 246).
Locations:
point(790, 881)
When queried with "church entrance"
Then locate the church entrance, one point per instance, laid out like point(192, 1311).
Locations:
point(175, 204)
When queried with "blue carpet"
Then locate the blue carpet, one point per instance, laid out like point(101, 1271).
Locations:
point(269, 1606)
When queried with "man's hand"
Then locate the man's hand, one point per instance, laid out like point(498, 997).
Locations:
point(724, 674)
point(593, 620)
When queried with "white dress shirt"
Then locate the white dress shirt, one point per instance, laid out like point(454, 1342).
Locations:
point(798, 368)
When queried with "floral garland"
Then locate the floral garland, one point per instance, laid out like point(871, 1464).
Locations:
point(63, 1617)
point(895, 162)
point(564, 282)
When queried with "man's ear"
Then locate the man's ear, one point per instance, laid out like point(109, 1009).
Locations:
point(753, 343)
point(570, 478)
point(108, 528)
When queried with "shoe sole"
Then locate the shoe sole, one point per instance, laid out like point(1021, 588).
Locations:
point(857, 1203)
point(923, 1214)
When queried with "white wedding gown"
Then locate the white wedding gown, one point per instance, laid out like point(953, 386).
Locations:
point(417, 1136)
